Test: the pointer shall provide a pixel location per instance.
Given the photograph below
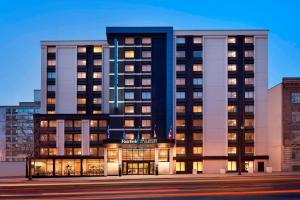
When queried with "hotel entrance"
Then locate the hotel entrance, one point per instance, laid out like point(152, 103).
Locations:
point(138, 168)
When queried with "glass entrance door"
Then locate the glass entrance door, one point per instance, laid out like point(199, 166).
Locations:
point(138, 168)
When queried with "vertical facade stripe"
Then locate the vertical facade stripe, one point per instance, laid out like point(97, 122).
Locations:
point(116, 72)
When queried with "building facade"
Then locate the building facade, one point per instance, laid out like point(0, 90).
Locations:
point(153, 100)
point(16, 129)
point(284, 125)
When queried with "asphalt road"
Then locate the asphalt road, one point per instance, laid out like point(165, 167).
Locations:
point(245, 188)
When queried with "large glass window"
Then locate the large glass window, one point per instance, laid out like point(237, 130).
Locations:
point(81, 49)
point(248, 40)
point(231, 150)
point(97, 75)
point(197, 67)
point(249, 150)
point(97, 62)
point(129, 82)
point(146, 123)
point(129, 109)
point(51, 50)
point(197, 150)
point(97, 49)
point(231, 54)
point(198, 166)
point(51, 63)
point(180, 166)
point(231, 40)
point(163, 155)
point(180, 122)
point(97, 88)
point(295, 97)
point(249, 122)
point(249, 67)
point(180, 150)
point(81, 75)
point(232, 67)
point(231, 108)
point(81, 62)
point(112, 155)
point(249, 81)
point(129, 54)
point(180, 136)
point(81, 101)
point(231, 166)
point(146, 109)
point(295, 117)
point(129, 123)
point(232, 136)
point(197, 109)
point(249, 136)
point(232, 81)
point(232, 122)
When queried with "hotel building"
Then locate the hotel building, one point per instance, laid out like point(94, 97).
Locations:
point(153, 100)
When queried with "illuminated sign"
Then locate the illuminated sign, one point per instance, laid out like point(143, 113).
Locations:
point(140, 141)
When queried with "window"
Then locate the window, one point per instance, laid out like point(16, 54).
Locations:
point(249, 136)
point(249, 67)
point(197, 109)
point(197, 122)
point(197, 67)
point(97, 112)
point(129, 40)
point(249, 108)
point(146, 40)
point(231, 109)
point(51, 88)
point(97, 75)
point(197, 150)
point(146, 123)
point(232, 81)
point(77, 137)
point(52, 151)
point(180, 150)
point(97, 49)
point(232, 95)
point(146, 54)
point(43, 137)
point(231, 40)
point(51, 63)
point(295, 97)
point(146, 109)
point(52, 123)
point(129, 54)
point(43, 151)
point(232, 136)
point(129, 123)
point(146, 68)
point(249, 123)
point(180, 40)
point(198, 166)
point(81, 101)
point(197, 136)
point(249, 150)
point(197, 81)
point(129, 136)
point(249, 95)
point(180, 68)
point(180, 81)
point(77, 123)
point(249, 164)
point(231, 150)
point(51, 112)
point(231, 166)
point(231, 54)
point(180, 122)
point(180, 109)
point(163, 155)
point(129, 81)
point(129, 95)
point(129, 68)
point(146, 81)
point(180, 95)
point(97, 62)
point(197, 40)
point(51, 75)
point(146, 136)
point(248, 40)
point(43, 123)
point(102, 123)
point(232, 67)
point(232, 122)
point(81, 88)
point(81, 62)
point(96, 88)
point(180, 136)
point(81, 75)
point(180, 54)
point(249, 53)
point(249, 81)
point(51, 100)
point(51, 50)
point(97, 101)
point(180, 166)
point(295, 154)
point(129, 109)
point(146, 95)
point(81, 50)
point(197, 54)
point(68, 123)
point(77, 151)
point(93, 151)
point(94, 123)
point(197, 95)
point(295, 117)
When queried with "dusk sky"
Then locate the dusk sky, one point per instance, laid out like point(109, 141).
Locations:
point(25, 23)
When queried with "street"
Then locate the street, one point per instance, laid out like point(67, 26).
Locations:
point(208, 188)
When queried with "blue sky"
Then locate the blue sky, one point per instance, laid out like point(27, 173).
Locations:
point(25, 23)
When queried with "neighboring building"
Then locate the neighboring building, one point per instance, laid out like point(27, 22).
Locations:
point(284, 125)
point(16, 130)
point(153, 100)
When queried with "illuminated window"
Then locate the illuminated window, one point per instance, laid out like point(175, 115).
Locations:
point(129, 68)
point(249, 164)
point(197, 122)
point(180, 40)
point(43, 137)
point(197, 150)
point(249, 150)
point(180, 166)
point(197, 68)
point(197, 136)
point(77, 151)
point(97, 112)
point(249, 67)
point(231, 40)
point(81, 101)
point(180, 54)
point(96, 88)
point(129, 123)
point(180, 122)
point(197, 109)
point(146, 54)
point(81, 62)
point(180, 109)
point(51, 112)
point(146, 68)
point(231, 122)
point(52, 151)
point(249, 122)
point(102, 123)
point(146, 109)
point(69, 123)
point(52, 123)
point(68, 151)
point(197, 81)
point(129, 136)
point(180, 136)
point(146, 40)
point(129, 109)
point(43, 151)
point(249, 81)
point(129, 54)
point(51, 63)
point(97, 62)
point(231, 166)
point(249, 53)
point(249, 108)
point(81, 75)
point(93, 151)
point(180, 150)
point(180, 68)
point(180, 81)
point(77, 123)
point(129, 95)
point(231, 108)
point(51, 101)
point(248, 40)
point(81, 112)
point(81, 88)
point(94, 123)
point(129, 40)
point(249, 95)
point(146, 136)
point(146, 81)
point(232, 95)
point(197, 40)
point(52, 137)
point(249, 136)
point(43, 123)
point(129, 82)
point(232, 136)
point(146, 95)
point(231, 54)
point(163, 155)
point(51, 50)
point(97, 49)
point(232, 81)
point(68, 137)
point(51, 88)
point(180, 95)
point(198, 166)
point(146, 123)
point(197, 95)
point(232, 67)
point(81, 49)
point(197, 54)
point(231, 150)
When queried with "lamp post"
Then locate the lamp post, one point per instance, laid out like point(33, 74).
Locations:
point(240, 150)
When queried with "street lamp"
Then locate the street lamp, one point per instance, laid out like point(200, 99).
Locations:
point(240, 150)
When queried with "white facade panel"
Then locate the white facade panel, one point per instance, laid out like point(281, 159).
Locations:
point(60, 137)
point(85, 132)
point(43, 80)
